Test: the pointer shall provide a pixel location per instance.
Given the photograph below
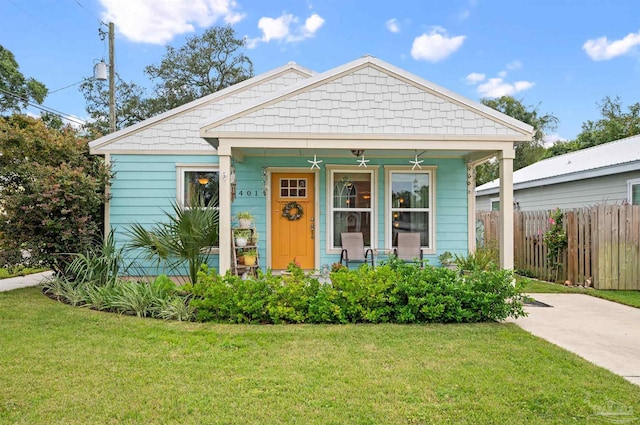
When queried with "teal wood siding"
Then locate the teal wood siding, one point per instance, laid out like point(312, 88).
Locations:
point(451, 208)
point(143, 188)
point(451, 200)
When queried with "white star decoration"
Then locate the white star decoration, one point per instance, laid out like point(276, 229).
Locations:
point(314, 163)
point(363, 162)
point(416, 163)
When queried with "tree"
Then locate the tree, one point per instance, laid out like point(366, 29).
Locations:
point(526, 153)
point(613, 125)
point(131, 105)
point(202, 66)
point(15, 89)
point(51, 190)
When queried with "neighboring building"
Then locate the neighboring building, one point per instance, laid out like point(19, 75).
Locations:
point(395, 153)
point(607, 173)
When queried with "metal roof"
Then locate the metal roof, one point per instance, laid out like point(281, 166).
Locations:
point(609, 158)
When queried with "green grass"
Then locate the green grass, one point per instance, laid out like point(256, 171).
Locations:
point(6, 273)
point(631, 298)
point(69, 365)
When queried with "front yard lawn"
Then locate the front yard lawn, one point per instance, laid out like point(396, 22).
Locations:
point(62, 364)
point(7, 272)
point(631, 298)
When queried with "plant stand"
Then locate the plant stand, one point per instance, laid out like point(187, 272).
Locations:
point(236, 253)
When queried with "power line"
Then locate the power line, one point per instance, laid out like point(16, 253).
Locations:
point(45, 108)
point(66, 87)
point(26, 12)
point(87, 10)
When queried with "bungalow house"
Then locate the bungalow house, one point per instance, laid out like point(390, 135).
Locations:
point(365, 147)
point(607, 173)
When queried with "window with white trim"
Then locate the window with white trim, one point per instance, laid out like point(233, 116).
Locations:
point(411, 201)
point(351, 204)
point(495, 204)
point(633, 191)
point(198, 181)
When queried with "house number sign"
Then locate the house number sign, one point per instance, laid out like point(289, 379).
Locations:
point(251, 193)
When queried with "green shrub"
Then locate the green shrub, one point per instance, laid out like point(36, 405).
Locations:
point(395, 292)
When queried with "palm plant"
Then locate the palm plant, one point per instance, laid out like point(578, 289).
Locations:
point(184, 239)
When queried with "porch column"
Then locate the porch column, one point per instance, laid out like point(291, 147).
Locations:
point(506, 207)
point(224, 217)
point(471, 206)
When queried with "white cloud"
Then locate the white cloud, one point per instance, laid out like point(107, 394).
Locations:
point(392, 25)
point(474, 78)
point(436, 45)
point(275, 29)
point(551, 139)
point(313, 24)
point(602, 49)
point(285, 28)
point(158, 21)
point(497, 87)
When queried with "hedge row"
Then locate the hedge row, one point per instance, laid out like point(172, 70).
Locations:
point(395, 292)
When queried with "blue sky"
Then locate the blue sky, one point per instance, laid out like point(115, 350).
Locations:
point(563, 56)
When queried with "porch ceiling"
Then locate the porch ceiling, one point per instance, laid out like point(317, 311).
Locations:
point(341, 153)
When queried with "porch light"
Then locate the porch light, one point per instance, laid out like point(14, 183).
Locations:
point(357, 152)
point(203, 180)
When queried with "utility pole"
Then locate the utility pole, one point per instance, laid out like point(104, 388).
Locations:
point(112, 80)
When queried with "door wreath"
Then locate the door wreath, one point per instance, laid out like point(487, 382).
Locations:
point(291, 216)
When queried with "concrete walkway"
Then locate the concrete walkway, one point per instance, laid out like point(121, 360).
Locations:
point(23, 281)
point(602, 332)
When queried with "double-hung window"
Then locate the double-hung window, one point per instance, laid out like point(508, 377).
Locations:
point(410, 201)
point(351, 202)
point(198, 182)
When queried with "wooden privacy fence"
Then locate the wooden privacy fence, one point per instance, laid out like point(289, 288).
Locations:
point(603, 244)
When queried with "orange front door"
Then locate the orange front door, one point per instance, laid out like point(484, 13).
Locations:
point(292, 236)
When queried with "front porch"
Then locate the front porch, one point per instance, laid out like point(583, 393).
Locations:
point(442, 205)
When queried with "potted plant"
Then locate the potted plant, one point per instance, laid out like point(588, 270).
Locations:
point(254, 238)
point(245, 218)
point(446, 260)
point(250, 257)
point(242, 237)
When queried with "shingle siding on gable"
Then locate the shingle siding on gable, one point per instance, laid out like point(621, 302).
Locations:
point(367, 101)
point(182, 132)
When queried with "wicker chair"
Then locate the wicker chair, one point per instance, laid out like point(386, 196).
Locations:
point(353, 250)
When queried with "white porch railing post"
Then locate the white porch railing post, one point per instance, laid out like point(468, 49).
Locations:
point(506, 208)
point(225, 213)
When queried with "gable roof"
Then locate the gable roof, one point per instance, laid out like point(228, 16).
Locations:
point(394, 101)
point(101, 144)
point(609, 158)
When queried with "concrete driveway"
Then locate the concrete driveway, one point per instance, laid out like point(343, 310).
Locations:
point(602, 332)
point(23, 281)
